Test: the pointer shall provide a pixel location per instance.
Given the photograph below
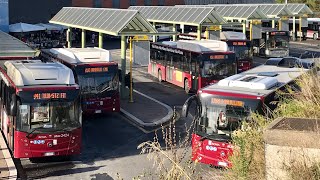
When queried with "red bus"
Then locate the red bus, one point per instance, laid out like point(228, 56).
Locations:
point(40, 109)
point(220, 108)
point(96, 74)
point(237, 42)
point(191, 64)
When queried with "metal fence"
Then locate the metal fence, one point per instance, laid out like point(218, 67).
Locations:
point(201, 2)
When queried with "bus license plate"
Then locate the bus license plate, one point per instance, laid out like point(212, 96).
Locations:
point(98, 111)
point(49, 154)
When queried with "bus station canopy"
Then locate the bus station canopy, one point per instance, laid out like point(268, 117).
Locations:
point(13, 47)
point(299, 9)
point(115, 22)
point(271, 10)
point(231, 12)
point(194, 16)
point(277, 10)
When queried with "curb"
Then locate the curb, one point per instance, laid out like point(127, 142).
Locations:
point(156, 123)
point(7, 156)
point(307, 44)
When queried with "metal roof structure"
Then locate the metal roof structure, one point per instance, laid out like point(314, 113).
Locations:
point(299, 9)
point(12, 47)
point(180, 15)
point(234, 11)
point(82, 55)
point(36, 72)
point(271, 9)
point(115, 22)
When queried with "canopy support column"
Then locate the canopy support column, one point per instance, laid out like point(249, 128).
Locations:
point(182, 28)
point(207, 33)
point(199, 32)
point(83, 38)
point(69, 35)
point(300, 28)
point(294, 28)
point(273, 23)
point(251, 29)
point(154, 37)
point(174, 29)
point(123, 67)
point(244, 27)
point(280, 24)
point(100, 40)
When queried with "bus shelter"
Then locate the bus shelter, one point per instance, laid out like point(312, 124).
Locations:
point(116, 22)
point(282, 13)
point(238, 15)
point(192, 16)
point(13, 48)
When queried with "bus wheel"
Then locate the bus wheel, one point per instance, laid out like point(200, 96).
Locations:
point(186, 86)
point(159, 75)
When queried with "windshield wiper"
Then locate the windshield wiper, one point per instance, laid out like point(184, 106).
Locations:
point(33, 130)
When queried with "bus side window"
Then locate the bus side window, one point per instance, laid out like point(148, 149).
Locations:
point(177, 61)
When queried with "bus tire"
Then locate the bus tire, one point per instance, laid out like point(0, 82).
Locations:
point(314, 36)
point(186, 86)
point(159, 75)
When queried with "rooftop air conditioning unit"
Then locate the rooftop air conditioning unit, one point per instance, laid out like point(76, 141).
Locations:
point(249, 81)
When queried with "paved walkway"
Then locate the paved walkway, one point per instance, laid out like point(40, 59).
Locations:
point(7, 167)
point(146, 111)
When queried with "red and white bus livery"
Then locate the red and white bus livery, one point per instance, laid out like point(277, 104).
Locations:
point(96, 74)
point(191, 64)
point(237, 42)
point(40, 109)
point(222, 106)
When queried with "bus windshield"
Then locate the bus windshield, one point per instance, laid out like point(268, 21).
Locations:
point(278, 41)
point(98, 83)
point(242, 52)
point(218, 68)
point(224, 113)
point(50, 115)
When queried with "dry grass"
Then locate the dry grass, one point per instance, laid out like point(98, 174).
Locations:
point(172, 159)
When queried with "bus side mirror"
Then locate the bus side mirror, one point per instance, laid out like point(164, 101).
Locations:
point(13, 105)
point(186, 106)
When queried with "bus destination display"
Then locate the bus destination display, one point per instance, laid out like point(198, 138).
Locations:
point(239, 43)
point(38, 96)
point(227, 102)
point(96, 69)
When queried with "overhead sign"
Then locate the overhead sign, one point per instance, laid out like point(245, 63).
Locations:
point(214, 28)
point(141, 38)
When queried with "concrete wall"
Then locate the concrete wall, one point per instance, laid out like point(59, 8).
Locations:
point(279, 158)
point(35, 11)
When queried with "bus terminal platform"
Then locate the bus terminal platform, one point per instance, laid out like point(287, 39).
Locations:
point(146, 111)
point(7, 166)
